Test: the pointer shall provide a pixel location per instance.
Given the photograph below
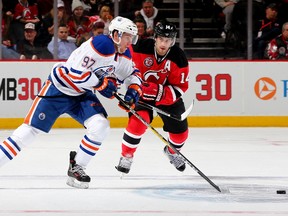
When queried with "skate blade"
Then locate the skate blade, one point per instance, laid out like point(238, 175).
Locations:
point(122, 174)
point(72, 182)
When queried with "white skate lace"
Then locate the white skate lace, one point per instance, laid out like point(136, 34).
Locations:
point(125, 162)
point(176, 160)
point(79, 170)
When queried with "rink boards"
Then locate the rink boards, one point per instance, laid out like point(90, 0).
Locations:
point(234, 93)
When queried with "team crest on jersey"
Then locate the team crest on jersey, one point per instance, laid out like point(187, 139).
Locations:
point(148, 62)
point(42, 116)
point(156, 76)
point(104, 71)
point(110, 69)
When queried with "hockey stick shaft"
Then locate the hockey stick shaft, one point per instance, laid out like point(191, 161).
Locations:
point(166, 142)
point(173, 116)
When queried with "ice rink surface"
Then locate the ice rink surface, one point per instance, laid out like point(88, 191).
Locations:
point(252, 163)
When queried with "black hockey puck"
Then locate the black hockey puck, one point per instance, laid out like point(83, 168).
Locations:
point(281, 191)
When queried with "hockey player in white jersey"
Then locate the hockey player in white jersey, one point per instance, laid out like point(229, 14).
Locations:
point(99, 64)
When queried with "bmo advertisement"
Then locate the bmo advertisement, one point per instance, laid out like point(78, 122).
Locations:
point(234, 90)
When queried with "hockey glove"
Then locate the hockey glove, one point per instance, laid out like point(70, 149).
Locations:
point(131, 97)
point(107, 87)
point(152, 91)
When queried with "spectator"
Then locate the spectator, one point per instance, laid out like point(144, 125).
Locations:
point(8, 52)
point(105, 16)
point(9, 6)
point(227, 9)
point(101, 3)
point(277, 49)
point(269, 28)
point(29, 48)
point(150, 14)
point(97, 28)
point(7, 47)
point(141, 26)
point(93, 7)
point(283, 8)
point(46, 30)
point(26, 13)
point(23, 13)
point(127, 8)
point(78, 23)
point(65, 47)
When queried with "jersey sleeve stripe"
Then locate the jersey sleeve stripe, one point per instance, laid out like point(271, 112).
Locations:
point(65, 78)
point(82, 78)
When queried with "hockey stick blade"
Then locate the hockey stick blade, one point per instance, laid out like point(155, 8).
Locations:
point(188, 111)
point(166, 142)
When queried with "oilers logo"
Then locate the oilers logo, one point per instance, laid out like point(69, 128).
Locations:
point(104, 71)
point(148, 62)
point(42, 116)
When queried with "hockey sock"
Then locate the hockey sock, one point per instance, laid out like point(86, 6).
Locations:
point(177, 140)
point(8, 150)
point(21, 137)
point(87, 149)
point(97, 129)
point(133, 133)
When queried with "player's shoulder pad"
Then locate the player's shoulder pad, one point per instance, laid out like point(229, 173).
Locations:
point(178, 56)
point(145, 46)
point(103, 44)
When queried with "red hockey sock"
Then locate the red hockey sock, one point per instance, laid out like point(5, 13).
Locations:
point(177, 140)
point(133, 134)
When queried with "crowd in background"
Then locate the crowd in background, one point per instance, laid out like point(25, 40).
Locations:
point(269, 26)
point(28, 25)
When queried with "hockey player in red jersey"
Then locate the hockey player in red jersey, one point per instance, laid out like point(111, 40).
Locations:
point(164, 69)
point(95, 65)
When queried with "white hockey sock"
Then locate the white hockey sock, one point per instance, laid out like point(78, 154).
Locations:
point(86, 151)
point(21, 137)
point(8, 150)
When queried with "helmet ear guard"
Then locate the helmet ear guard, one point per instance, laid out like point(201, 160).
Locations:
point(122, 25)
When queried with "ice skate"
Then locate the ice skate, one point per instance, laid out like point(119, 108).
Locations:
point(175, 159)
point(124, 164)
point(76, 176)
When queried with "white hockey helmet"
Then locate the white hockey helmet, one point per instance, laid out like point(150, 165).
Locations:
point(122, 25)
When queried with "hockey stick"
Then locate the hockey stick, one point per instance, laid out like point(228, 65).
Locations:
point(166, 142)
point(173, 116)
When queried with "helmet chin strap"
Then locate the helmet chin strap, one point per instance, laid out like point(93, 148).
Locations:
point(118, 48)
point(117, 44)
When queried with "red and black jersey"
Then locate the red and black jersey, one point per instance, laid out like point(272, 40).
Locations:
point(27, 12)
point(172, 71)
point(277, 48)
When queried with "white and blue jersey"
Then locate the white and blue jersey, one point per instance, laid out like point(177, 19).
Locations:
point(69, 88)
